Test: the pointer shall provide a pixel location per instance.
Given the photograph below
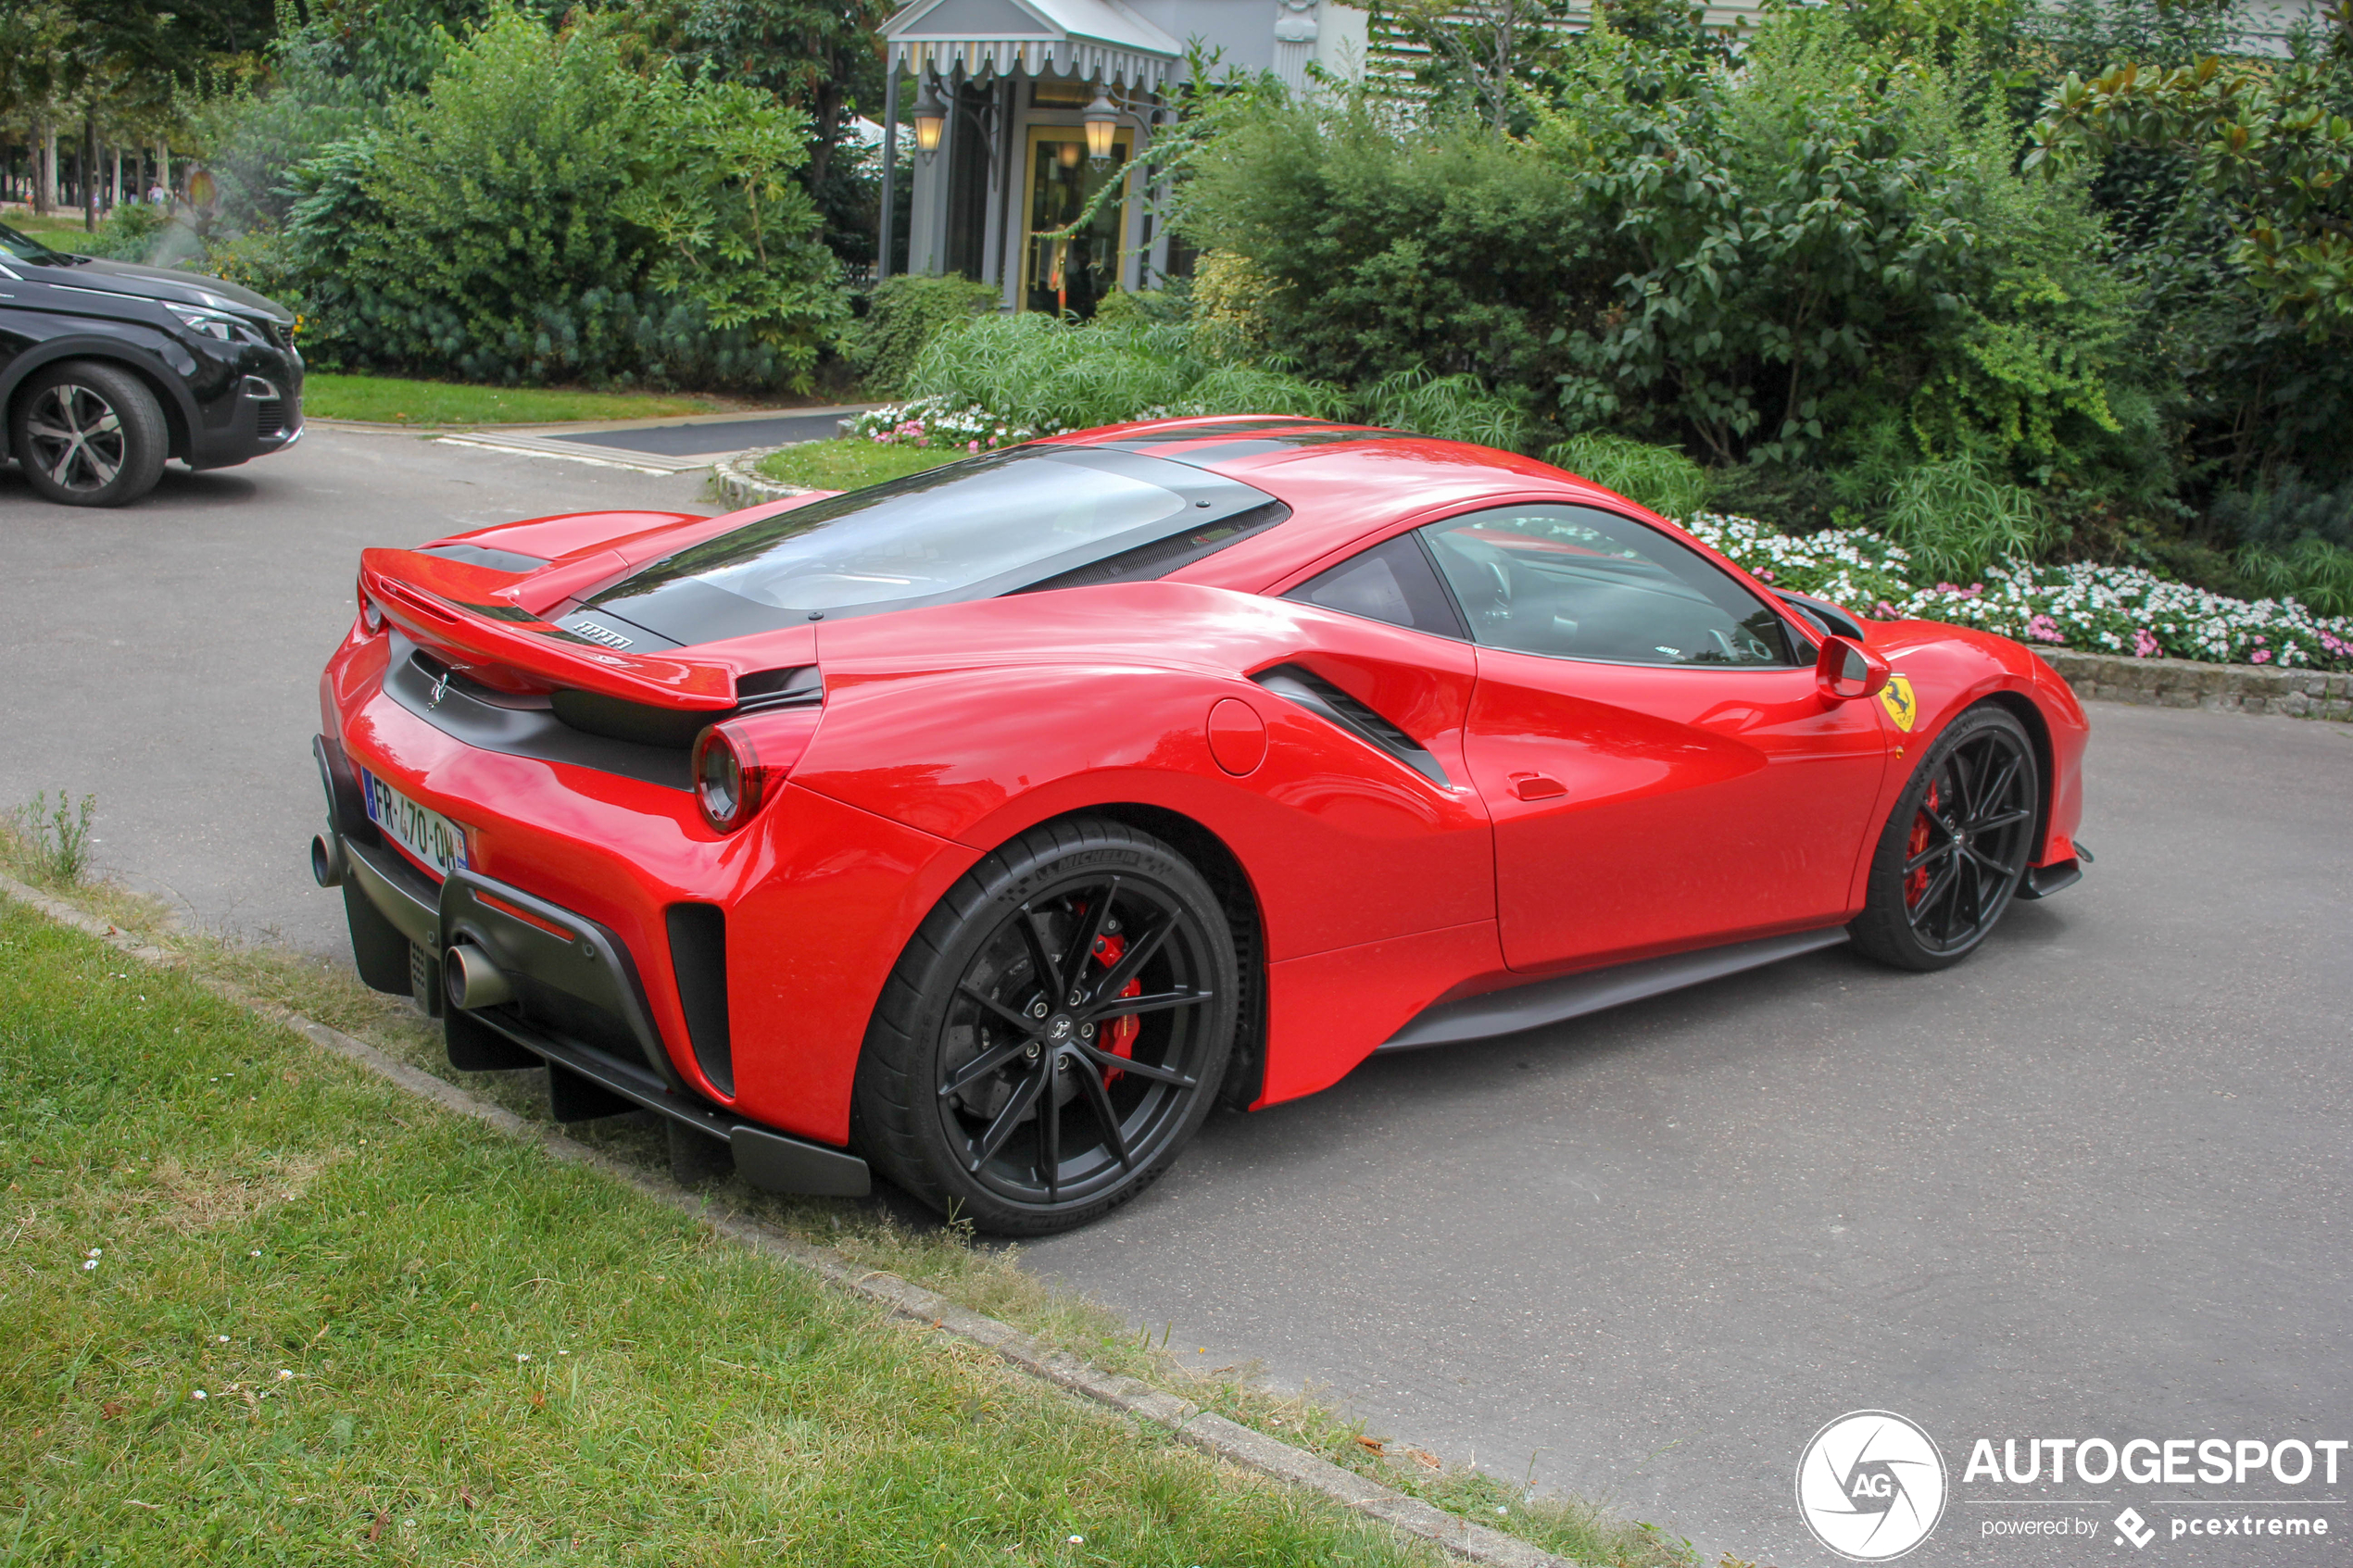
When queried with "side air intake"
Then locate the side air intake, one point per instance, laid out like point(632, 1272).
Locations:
point(1326, 701)
point(699, 957)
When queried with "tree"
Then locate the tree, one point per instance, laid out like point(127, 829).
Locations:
point(816, 55)
point(2271, 143)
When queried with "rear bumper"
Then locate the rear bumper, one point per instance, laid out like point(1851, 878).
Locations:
point(579, 1005)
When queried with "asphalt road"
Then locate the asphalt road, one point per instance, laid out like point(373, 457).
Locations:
point(2092, 1184)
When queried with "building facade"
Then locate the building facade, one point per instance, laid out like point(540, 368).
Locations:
point(1026, 109)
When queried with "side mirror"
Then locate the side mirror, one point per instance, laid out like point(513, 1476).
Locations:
point(1846, 670)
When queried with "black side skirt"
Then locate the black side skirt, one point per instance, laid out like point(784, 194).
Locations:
point(1572, 996)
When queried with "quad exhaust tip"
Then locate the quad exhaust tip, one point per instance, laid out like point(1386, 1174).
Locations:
point(326, 861)
point(472, 981)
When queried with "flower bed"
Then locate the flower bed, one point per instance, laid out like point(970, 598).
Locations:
point(2117, 609)
point(941, 423)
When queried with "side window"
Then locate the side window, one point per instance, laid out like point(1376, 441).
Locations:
point(1391, 581)
point(1579, 582)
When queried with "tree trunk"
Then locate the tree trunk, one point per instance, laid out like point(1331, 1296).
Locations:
point(90, 168)
point(114, 197)
point(828, 129)
point(44, 166)
point(163, 169)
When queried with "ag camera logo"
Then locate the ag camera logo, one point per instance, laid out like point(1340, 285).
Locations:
point(1871, 1486)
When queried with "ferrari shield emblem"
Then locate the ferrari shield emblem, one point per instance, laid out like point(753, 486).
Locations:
point(1896, 697)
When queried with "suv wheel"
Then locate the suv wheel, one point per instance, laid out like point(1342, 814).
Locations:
point(88, 434)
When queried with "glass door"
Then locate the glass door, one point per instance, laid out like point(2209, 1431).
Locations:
point(1071, 274)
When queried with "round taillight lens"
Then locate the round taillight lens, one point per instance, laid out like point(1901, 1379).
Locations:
point(729, 781)
point(371, 616)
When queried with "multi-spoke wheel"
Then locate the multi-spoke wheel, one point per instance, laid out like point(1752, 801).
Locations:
point(1054, 1034)
point(88, 434)
point(1955, 846)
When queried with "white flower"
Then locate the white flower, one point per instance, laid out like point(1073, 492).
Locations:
point(1078, 1540)
point(283, 1374)
point(197, 1395)
point(89, 1262)
point(223, 1339)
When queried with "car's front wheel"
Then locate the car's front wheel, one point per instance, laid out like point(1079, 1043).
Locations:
point(1954, 848)
point(88, 434)
point(1054, 1034)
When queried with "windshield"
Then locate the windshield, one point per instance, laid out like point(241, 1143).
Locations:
point(1031, 518)
point(26, 248)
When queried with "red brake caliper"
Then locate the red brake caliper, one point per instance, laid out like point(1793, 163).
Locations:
point(1119, 1035)
point(1916, 883)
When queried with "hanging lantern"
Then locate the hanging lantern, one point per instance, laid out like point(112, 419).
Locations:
point(1101, 121)
point(931, 118)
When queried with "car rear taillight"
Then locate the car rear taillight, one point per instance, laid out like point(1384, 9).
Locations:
point(740, 762)
point(371, 615)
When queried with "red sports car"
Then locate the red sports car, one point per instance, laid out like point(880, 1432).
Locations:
point(991, 825)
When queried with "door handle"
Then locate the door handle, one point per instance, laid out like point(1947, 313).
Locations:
point(1536, 786)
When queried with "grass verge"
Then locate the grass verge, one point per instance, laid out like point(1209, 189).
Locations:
point(265, 1306)
point(851, 465)
point(397, 400)
point(943, 1259)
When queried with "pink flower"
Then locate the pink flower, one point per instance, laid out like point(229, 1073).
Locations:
point(1972, 590)
point(1948, 588)
point(2145, 645)
point(2043, 629)
point(2259, 641)
point(1883, 610)
point(2260, 656)
point(971, 445)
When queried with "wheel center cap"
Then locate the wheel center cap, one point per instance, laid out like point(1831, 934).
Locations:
point(1058, 1027)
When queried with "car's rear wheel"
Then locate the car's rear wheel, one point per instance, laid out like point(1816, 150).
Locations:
point(1054, 1034)
point(1956, 847)
point(88, 434)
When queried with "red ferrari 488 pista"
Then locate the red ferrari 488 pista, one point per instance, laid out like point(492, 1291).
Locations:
point(991, 825)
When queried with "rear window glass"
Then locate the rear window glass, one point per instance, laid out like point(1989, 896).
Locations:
point(1031, 518)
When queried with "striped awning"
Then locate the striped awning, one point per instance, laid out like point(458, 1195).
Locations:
point(1092, 40)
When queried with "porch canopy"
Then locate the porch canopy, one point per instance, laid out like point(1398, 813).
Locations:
point(1092, 40)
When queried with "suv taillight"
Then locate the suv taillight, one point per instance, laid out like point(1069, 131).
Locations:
point(371, 615)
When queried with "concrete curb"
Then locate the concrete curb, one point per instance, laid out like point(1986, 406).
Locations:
point(736, 480)
point(2182, 682)
point(1213, 1434)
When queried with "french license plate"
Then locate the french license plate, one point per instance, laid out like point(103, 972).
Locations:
point(430, 837)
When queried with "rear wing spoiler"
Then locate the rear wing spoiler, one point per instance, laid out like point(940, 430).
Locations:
point(449, 607)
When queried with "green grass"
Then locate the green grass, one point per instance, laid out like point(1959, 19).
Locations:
point(59, 231)
point(419, 1341)
point(397, 400)
point(849, 465)
point(941, 1257)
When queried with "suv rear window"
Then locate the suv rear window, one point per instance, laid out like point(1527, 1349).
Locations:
point(1034, 517)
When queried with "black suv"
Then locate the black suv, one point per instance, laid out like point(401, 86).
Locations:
point(107, 369)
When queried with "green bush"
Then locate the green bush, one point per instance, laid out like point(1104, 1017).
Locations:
point(543, 214)
point(1956, 520)
point(1037, 370)
point(1659, 477)
point(903, 314)
point(1456, 407)
point(1369, 249)
point(1821, 258)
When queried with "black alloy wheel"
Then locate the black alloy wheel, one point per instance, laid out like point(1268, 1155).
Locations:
point(1047, 1058)
point(88, 434)
point(1955, 847)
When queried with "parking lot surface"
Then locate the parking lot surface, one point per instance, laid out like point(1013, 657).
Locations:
point(2092, 1183)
